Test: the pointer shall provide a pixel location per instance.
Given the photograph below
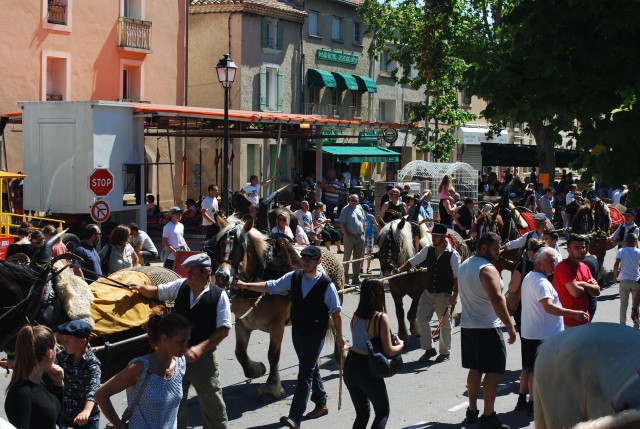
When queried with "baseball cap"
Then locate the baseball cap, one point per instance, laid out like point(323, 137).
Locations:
point(390, 186)
point(365, 207)
point(175, 210)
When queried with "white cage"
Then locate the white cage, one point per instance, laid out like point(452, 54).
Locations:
point(464, 178)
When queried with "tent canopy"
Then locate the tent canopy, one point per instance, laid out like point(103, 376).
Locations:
point(352, 154)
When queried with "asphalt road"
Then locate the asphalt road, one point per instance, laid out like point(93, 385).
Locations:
point(422, 395)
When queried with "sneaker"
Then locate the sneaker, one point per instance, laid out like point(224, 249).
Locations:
point(289, 422)
point(530, 408)
point(318, 411)
point(442, 358)
point(472, 416)
point(522, 403)
point(491, 422)
point(428, 355)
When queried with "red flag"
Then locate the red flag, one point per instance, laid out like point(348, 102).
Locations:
point(231, 157)
point(215, 160)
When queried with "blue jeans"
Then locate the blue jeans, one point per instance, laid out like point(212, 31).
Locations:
point(308, 348)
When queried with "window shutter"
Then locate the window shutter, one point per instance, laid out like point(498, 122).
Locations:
point(280, 89)
point(280, 32)
point(263, 88)
point(265, 32)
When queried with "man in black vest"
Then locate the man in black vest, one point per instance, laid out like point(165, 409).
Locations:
point(313, 298)
point(207, 307)
point(442, 263)
point(628, 226)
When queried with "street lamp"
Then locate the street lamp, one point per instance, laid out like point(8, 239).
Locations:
point(226, 70)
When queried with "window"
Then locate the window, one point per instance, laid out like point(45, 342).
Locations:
point(131, 82)
point(355, 99)
point(387, 111)
point(56, 14)
point(271, 88)
point(314, 94)
point(466, 98)
point(385, 62)
point(56, 76)
point(335, 97)
point(336, 28)
point(357, 33)
point(313, 24)
point(272, 32)
point(406, 118)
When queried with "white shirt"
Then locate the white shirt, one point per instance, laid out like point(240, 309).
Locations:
point(169, 292)
point(520, 242)
point(210, 205)
point(477, 311)
point(569, 198)
point(283, 284)
point(174, 233)
point(615, 196)
point(304, 219)
point(253, 192)
point(629, 263)
point(536, 323)
point(421, 256)
point(147, 243)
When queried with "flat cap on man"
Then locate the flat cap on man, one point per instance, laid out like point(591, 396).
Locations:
point(199, 260)
point(539, 216)
point(75, 328)
point(439, 229)
point(630, 212)
point(175, 210)
point(311, 252)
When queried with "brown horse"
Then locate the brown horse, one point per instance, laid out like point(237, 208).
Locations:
point(248, 254)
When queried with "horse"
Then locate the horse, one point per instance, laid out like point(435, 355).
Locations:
point(594, 221)
point(248, 254)
point(39, 293)
point(566, 393)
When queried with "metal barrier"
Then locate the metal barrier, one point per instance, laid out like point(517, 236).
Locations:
point(7, 219)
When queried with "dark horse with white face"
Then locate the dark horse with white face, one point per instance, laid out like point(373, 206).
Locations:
point(29, 294)
point(249, 255)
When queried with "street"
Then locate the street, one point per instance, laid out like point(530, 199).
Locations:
point(421, 396)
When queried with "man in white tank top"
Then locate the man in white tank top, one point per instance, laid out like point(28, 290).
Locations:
point(483, 348)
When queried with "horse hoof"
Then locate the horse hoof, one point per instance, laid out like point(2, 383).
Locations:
point(270, 393)
point(255, 371)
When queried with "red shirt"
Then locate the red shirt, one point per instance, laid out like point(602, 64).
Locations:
point(568, 271)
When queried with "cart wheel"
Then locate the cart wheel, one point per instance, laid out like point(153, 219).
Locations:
point(71, 241)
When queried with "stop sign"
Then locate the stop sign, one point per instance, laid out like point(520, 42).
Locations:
point(100, 182)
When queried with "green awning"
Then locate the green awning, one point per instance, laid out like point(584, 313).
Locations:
point(366, 84)
point(349, 154)
point(345, 81)
point(320, 78)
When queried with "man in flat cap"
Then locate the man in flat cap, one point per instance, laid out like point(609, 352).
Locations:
point(313, 298)
point(207, 307)
point(540, 224)
point(442, 263)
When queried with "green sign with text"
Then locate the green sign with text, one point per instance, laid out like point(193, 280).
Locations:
point(336, 57)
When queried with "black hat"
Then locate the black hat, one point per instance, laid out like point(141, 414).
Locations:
point(631, 212)
point(76, 328)
point(313, 252)
point(439, 229)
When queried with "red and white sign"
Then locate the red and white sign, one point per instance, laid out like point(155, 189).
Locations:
point(100, 211)
point(101, 182)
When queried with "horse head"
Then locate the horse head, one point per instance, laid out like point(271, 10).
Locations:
point(242, 251)
point(396, 245)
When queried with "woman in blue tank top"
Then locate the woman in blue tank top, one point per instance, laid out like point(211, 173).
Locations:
point(364, 388)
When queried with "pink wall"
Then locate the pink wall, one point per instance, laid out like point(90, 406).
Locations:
point(93, 52)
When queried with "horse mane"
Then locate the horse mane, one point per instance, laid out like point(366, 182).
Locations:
point(403, 236)
point(11, 272)
point(261, 243)
point(601, 216)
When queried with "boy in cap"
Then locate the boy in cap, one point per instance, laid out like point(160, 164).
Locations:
point(370, 226)
point(81, 376)
point(314, 299)
point(628, 226)
point(173, 237)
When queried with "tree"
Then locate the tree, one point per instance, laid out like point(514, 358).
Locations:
point(400, 28)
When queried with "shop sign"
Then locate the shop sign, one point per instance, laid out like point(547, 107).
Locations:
point(336, 57)
point(390, 135)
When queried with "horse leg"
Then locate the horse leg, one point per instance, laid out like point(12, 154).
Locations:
point(412, 315)
point(272, 390)
point(251, 368)
point(402, 326)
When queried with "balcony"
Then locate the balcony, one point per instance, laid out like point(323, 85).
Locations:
point(134, 34)
point(57, 14)
point(334, 112)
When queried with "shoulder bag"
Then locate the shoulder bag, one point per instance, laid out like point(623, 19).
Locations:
point(128, 412)
point(381, 366)
point(513, 298)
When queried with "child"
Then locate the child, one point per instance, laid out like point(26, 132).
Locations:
point(81, 376)
point(370, 225)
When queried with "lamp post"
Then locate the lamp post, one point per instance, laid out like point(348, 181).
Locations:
point(226, 70)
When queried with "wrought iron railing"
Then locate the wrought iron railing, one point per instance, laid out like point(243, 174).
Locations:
point(134, 33)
